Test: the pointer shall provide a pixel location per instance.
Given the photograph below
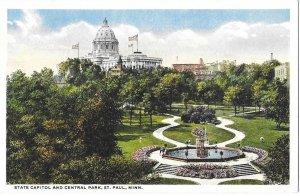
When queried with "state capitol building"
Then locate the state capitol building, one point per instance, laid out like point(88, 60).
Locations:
point(105, 53)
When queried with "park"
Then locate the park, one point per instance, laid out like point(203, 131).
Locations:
point(151, 126)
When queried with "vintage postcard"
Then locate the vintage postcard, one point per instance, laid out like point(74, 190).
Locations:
point(123, 97)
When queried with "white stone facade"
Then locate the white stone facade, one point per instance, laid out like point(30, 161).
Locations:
point(282, 72)
point(106, 53)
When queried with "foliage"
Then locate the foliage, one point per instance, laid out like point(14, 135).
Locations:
point(96, 170)
point(258, 88)
point(149, 103)
point(209, 92)
point(276, 103)
point(199, 115)
point(170, 88)
point(233, 96)
point(48, 126)
point(278, 168)
point(80, 71)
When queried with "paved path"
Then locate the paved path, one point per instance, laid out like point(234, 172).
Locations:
point(238, 136)
point(159, 132)
point(224, 122)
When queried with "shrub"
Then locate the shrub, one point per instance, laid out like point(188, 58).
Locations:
point(198, 115)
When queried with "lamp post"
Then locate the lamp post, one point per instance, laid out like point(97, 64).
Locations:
point(186, 154)
point(221, 153)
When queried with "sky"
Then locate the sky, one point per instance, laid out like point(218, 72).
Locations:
point(43, 38)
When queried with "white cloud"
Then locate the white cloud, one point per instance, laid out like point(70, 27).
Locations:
point(10, 22)
point(31, 46)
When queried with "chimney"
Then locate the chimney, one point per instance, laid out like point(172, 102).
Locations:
point(271, 56)
point(201, 61)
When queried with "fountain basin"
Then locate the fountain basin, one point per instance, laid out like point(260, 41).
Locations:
point(211, 154)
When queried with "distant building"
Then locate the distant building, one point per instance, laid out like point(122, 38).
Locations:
point(60, 80)
point(118, 69)
point(105, 53)
point(220, 66)
point(200, 71)
point(283, 72)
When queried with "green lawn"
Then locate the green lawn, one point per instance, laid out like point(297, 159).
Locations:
point(256, 126)
point(183, 133)
point(228, 110)
point(129, 137)
point(243, 181)
point(220, 110)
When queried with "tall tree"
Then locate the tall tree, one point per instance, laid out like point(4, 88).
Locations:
point(276, 103)
point(149, 102)
point(232, 96)
point(278, 168)
point(130, 94)
point(169, 89)
point(258, 88)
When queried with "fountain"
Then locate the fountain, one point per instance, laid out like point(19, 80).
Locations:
point(201, 138)
point(202, 153)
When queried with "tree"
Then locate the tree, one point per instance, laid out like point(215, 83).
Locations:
point(96, 170)
point(258, 88)
point(268, 70)
point(48, 126)
point(130, 94)
point(278, 168)
point(149, 104)
point(209, 91)
point(276, 103)
point(169, 89)
point(185, 99)
point(232, 96)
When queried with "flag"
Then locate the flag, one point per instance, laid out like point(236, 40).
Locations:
point(130, 45)
point(76, 46)
point(133, 38)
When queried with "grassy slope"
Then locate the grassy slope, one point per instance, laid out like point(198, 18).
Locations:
point(129, 137)
point(254, 127)
point(183, 133)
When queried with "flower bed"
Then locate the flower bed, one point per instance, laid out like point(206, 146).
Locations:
point(199, 132)
point(206, 171)
point(262, 155)
point(142, 155)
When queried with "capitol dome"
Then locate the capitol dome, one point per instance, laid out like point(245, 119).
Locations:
point(105, 33)
point(105, 42)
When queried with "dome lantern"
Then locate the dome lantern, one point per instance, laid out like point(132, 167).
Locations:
point(105, 22)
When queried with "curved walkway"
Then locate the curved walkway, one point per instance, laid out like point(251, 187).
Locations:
point(224, 122)
point(238, 136)
point(158, 133)
point(171, 121)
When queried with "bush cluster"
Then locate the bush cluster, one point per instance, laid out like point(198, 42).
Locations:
point(198, 115)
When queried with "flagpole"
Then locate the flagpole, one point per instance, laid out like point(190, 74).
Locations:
point(137, 44)
point(78, 50)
